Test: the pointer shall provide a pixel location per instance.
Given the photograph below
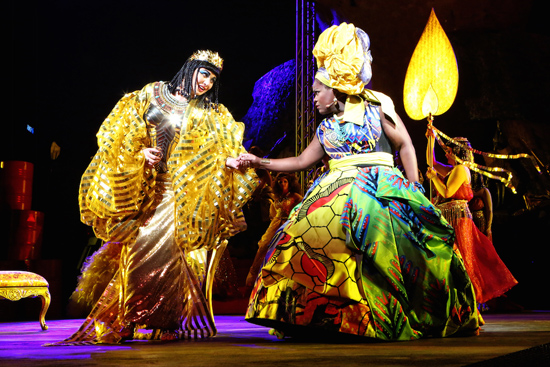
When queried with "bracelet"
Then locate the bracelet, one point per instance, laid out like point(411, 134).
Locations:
point(419, 187)
point(265, 161)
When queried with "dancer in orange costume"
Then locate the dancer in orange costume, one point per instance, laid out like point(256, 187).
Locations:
point(490, 276)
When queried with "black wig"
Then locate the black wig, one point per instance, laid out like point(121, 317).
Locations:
point(183, 82)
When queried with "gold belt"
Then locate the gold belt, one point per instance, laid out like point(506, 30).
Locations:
point(368, 159)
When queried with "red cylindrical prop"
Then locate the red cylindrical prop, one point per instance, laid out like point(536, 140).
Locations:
point(26, 235)
point(17, 177)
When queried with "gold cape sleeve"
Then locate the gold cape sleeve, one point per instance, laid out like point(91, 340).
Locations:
point(209, 197)
point(116, 183)
point(116, 188)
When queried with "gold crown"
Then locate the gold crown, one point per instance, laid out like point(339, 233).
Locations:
point(208, 56)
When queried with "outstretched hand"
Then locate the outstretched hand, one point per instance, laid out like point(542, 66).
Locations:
point(249, 160)
point(54, 150)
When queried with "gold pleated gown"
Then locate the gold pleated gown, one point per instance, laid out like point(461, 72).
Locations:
point(165, 228)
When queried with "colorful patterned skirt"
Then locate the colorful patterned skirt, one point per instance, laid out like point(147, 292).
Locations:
point(365, 254)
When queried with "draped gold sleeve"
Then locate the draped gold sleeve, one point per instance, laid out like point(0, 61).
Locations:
point(209, 197)
point(116, 183)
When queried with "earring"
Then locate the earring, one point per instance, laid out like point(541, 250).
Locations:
point(336, 105)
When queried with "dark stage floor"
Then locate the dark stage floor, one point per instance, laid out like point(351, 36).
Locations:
point(518, 339)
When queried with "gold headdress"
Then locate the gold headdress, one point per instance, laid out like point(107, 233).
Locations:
point(208, 56)
point(344, 62)
point(343, 51)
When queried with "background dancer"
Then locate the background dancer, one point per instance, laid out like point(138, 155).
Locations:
point(490, 276)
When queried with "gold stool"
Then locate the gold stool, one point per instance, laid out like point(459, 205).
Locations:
point(15, 285)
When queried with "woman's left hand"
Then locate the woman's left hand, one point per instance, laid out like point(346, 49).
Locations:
point(489, 234)
point(232, 163)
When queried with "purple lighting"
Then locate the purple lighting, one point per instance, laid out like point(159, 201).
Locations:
point(271, 115)
point(24, 340)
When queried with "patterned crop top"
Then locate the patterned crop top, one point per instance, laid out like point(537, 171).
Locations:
point(342, 139)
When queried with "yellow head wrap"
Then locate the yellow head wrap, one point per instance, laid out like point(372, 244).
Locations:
point(343, 58)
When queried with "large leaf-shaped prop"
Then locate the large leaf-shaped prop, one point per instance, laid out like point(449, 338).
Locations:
point(431, 82)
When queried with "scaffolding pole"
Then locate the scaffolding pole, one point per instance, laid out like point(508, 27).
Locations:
point(305, 75)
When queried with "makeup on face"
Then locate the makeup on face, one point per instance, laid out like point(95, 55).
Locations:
point(204, 81)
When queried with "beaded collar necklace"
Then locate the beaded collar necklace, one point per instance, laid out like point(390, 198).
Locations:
point(167, 101)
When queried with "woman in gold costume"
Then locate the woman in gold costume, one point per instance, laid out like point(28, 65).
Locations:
point(490, 276)
point(365, 253)
point(165, 192)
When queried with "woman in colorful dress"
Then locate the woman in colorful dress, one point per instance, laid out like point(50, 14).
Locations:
point(165, 191)
point(490, 276)
point(287, 192)
point(365, 253)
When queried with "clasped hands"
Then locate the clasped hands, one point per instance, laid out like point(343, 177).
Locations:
point(243, 161)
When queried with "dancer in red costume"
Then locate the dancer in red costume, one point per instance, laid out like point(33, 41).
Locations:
point(490, 276)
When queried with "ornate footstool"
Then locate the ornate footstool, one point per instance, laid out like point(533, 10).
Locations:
point(15, 285)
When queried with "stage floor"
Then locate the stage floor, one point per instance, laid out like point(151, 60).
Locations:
point(518, 339)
